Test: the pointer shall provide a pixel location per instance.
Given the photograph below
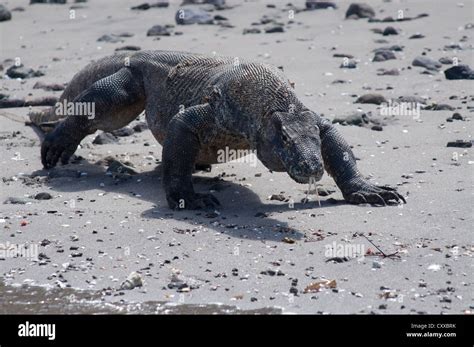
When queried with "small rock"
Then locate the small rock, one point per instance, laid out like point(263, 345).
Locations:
point(251, 31)
point(133, 280)
point(391, 72)
point(116, 167)
point(383, 55)
point(42, 101)
point(453, 46)
point(416, 36)
point(43, 196)
point(262, 214)
point(146, 6)
point(128, 48)
point(17, 201)
point(271, 272)
point(4, 14)
point(358, 119)
point(337, 260)
point(183, 284)
point(339, 81)
point(343, 55)
point(376, 264)
point(48, 87)
point(278, 197)
point(318, 4)
point(348, 64)
point(439, 107)
point(48, 2)
point(275, 29)
point(213, 214)
point(140, 127)
point(110, 38)
point(123, 132)
point(104, 139)
point(142, 7)
point(158, 30)
point(21, 72)
point(426, 62)
point(412, 99)
point(390, 31)
point(375, 99)
point(293, 290)
point(200, 2)
point(359, 10)
point(446, 60)
point(460, 144)
point(459, 72)
point(395, 48)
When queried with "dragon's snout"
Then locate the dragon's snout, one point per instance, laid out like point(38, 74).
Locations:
point(303, 173)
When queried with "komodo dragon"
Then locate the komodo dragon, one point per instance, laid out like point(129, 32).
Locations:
point(196, 105)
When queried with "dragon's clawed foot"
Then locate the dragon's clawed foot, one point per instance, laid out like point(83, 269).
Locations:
point(56, 146)
point(364, 192)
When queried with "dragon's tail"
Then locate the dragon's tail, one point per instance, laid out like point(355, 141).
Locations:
point(45, 120)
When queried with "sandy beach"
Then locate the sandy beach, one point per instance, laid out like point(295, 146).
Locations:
point(265, 250)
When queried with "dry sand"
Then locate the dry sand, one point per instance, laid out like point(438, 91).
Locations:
point(99, 228)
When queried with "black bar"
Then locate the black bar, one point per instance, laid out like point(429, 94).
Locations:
point(334, 330)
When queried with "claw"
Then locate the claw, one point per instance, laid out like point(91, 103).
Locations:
point(362, 197)
point(387, 188)
point(380, 199)
point(401, 198)
point(395, 196)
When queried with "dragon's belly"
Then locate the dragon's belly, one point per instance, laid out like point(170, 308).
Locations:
point(224, 147)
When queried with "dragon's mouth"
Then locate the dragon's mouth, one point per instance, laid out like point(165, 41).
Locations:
point(300, 179)
point(305, 179)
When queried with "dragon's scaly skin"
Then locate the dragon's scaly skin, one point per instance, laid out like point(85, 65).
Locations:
point(196, 105)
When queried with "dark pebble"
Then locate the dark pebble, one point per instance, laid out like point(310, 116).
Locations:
point(43, 196)
point(359, 10)
point(104, 138)
point(375, 99)
point(459, 72)
point(390, 31)
point(460, 144)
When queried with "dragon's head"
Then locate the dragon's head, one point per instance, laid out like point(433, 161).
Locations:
point(290, 141)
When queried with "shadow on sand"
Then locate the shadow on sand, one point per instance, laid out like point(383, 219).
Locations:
point(239, 215)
